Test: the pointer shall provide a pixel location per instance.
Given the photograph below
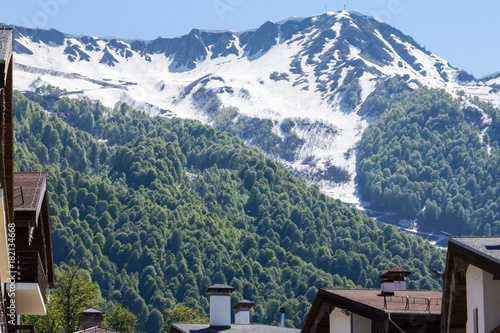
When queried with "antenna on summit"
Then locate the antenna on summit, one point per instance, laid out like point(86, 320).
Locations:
point(338, 5)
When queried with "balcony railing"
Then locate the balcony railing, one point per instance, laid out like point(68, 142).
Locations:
point(29, 269)
point(21, 328)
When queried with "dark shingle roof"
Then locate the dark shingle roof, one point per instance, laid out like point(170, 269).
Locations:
point(252, 328)
point(488, 247)
point(220, 288)
point(395, 271)
point(244, 304)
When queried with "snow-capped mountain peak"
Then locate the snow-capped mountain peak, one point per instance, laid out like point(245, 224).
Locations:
point(315, 70)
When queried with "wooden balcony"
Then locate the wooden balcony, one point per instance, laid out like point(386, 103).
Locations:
point(32, 217)
point(31, 284)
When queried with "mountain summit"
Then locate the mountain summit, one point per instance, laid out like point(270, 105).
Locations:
point(304, 79)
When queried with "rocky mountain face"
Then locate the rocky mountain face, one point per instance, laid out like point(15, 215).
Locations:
point(305, 79)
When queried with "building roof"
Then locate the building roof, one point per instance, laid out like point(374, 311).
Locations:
point(395, 271)
point(372, 300)
point(251, 328)
point(99, 329)
point(369, 303)
point(478, 250)
point(220, 288)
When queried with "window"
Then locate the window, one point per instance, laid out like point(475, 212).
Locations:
point(475, 319)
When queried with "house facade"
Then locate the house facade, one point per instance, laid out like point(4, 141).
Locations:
point(472, 285)
point(7, 227)
point(390, 309)
point(26, 264)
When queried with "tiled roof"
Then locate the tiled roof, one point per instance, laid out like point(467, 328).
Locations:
point(252, 328)
point(418, 300)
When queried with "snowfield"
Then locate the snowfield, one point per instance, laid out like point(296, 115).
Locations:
point(158, 84)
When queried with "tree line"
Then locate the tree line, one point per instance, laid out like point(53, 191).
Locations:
point(429, 157)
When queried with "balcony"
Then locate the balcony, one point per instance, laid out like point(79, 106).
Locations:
point(31, 284)
point(32, 218)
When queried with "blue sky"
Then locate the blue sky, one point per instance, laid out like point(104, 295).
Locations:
point(463, 32)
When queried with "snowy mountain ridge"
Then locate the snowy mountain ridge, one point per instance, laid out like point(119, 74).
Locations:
point(316, 71)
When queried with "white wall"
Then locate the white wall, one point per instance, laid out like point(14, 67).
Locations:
point(484, 293)
point(242, 317)
point(220, 310)
point(399, 285)
point(491, 302)
point(339, 322)
point(388, 287)
point(475, 297)
point(361, 324)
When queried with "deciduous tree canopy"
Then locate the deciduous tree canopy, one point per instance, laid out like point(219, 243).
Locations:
point(159, 209)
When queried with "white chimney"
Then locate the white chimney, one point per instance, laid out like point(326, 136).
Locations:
point(242, 314)
point(220, 305)
point(394, 280)
point(387, 287)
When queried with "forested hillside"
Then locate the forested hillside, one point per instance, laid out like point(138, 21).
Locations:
point(430, 157)
point(158, 209)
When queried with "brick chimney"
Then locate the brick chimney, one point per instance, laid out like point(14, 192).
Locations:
point(220, 305)
point(242, 312)
point(91, 318)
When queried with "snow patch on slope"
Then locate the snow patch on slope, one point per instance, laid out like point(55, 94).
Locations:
point(152, 82)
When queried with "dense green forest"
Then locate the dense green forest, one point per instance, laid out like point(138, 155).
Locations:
point(426, 158)
point(159, 209)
